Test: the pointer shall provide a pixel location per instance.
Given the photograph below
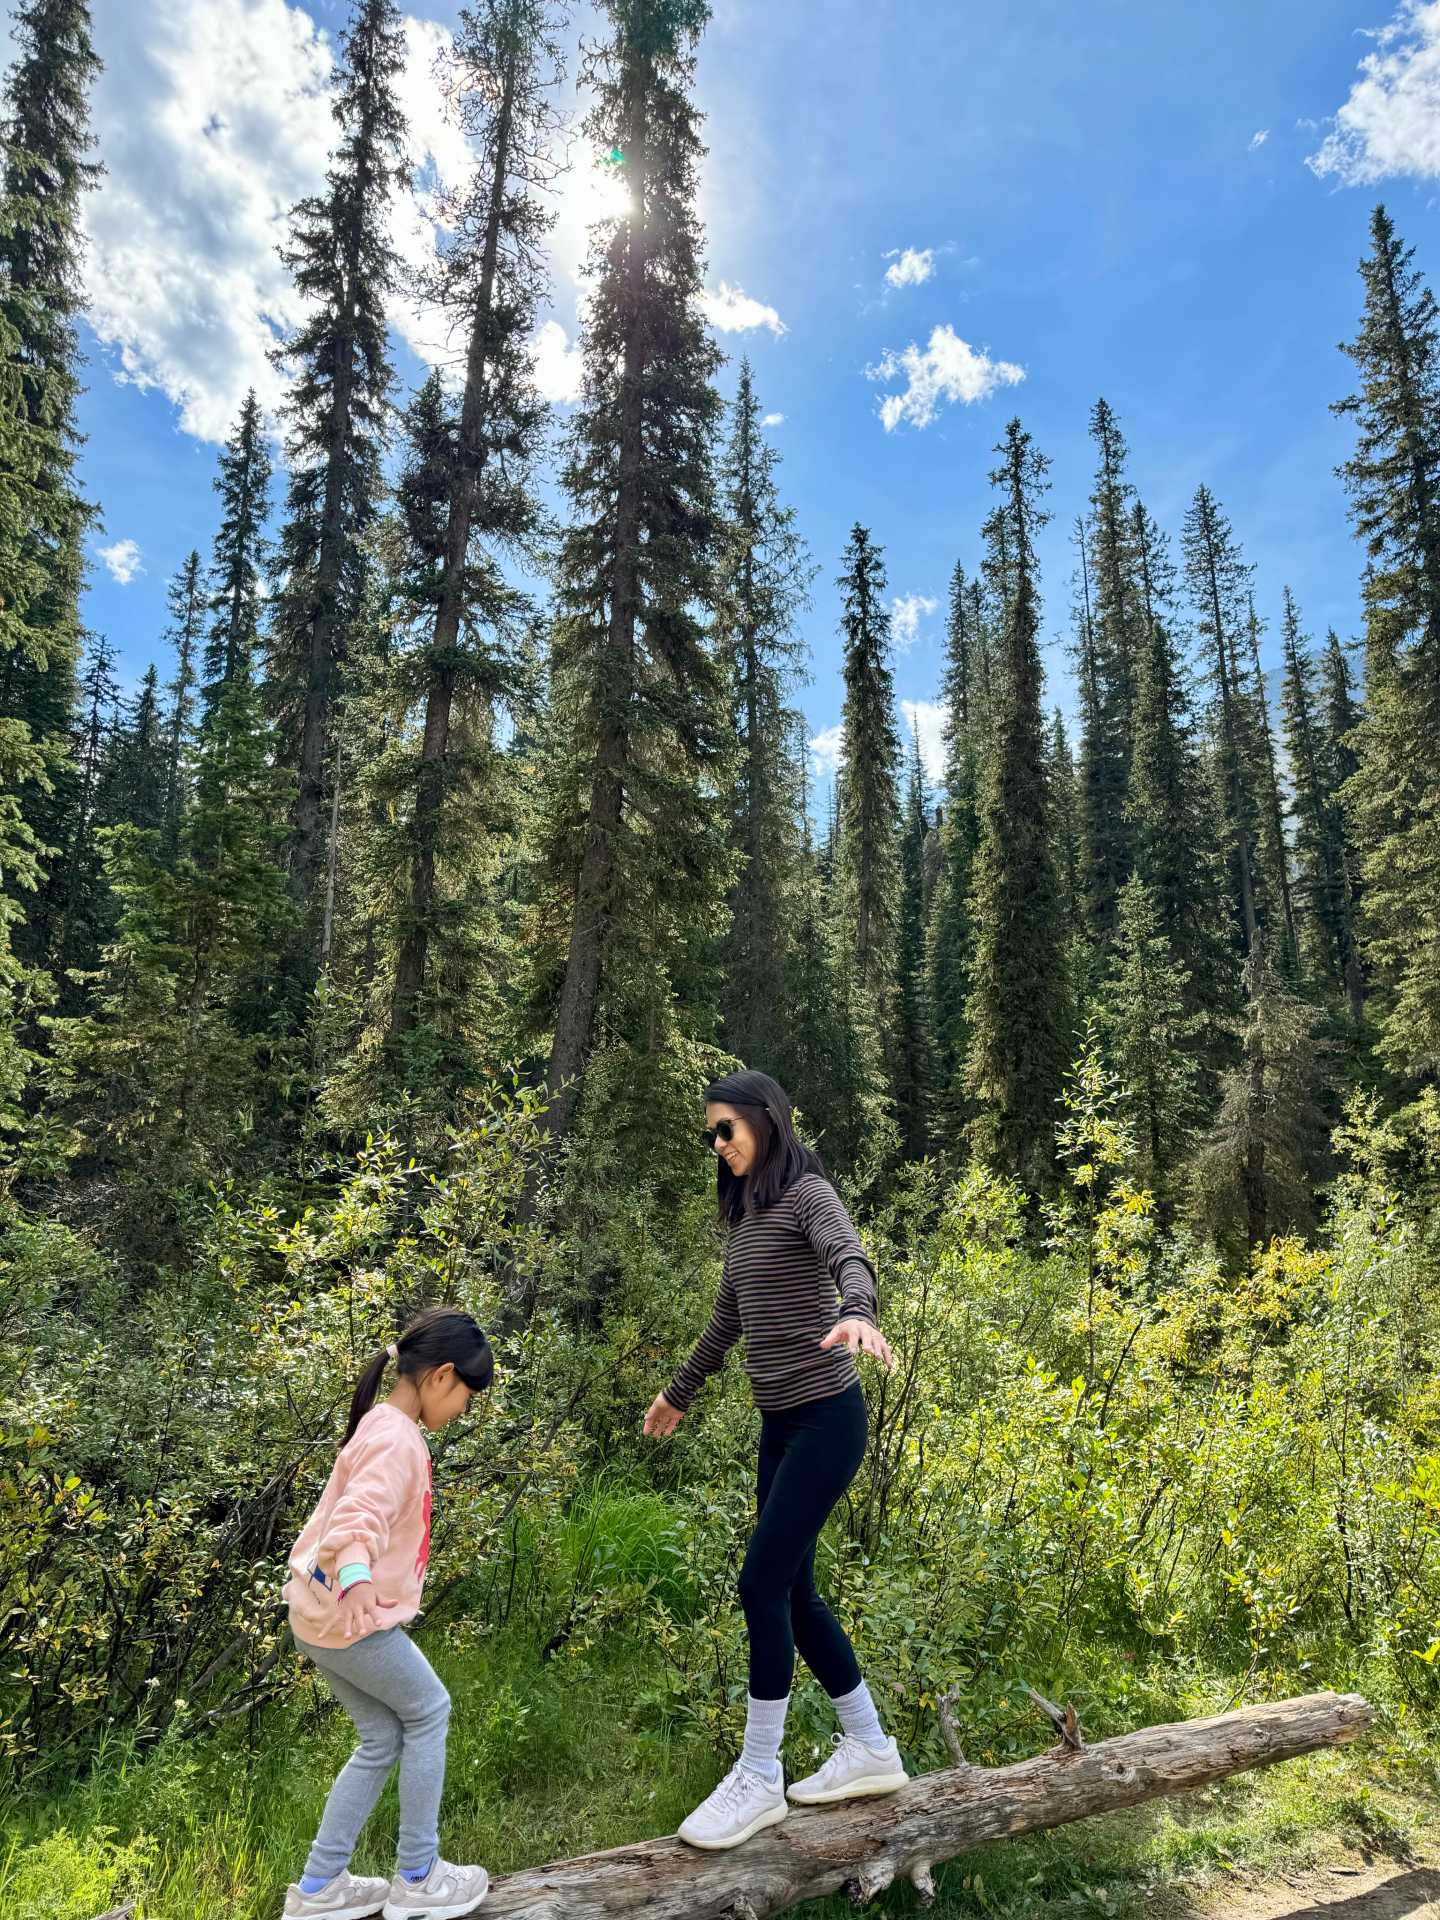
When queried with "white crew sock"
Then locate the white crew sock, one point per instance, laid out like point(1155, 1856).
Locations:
point(764, 1730)
point(859, 1718)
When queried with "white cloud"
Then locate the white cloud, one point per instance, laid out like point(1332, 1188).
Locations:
point(773, 420)
point(912, 267)
point(559, 363)
point(946, 370)
point(123, 560)
point(826, 749)
point(1390, 124)
point(731, 310)
point(1259, 139)
point(929, 717)
point(906, 612)
point(213, 119)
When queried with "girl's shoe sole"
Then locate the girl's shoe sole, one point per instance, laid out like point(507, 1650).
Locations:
point(402, 1910)
point(770, 1818)
point(868, 1786)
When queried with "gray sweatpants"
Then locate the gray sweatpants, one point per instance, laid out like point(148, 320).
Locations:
point(401, 1712)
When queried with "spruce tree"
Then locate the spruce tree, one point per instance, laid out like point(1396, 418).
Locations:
point(490, 280)
point(1150, 1034)
point(45, 115)
point(136, 780)
point(914, 1051)
point(1258, 1165)
point(951, 933)
point(637, 866)
point(869, 849)
point(1270, 806)
point(1341, 718)
point(1319, 824)
point(240, 556)
point(1111, 642)
point(185, 634)
point(1018, 1018)
point(78, 882)
point(1217, 579)
point(762, 585)
point(1393, 797)
point(340, 257)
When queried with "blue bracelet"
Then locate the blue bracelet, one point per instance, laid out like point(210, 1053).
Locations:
point(353, 1575)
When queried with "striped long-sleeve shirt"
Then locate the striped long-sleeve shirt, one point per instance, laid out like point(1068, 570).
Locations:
point(790, 1274)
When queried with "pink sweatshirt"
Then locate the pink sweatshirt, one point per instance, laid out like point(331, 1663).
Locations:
point(375, 1511)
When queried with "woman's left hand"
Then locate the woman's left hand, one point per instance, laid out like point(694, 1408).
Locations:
point(860, 1337)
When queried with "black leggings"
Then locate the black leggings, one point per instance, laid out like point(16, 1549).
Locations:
point(808, 1457)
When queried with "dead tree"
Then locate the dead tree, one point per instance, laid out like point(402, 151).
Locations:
point(863, 1846)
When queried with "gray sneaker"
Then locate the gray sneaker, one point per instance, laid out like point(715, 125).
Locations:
point(346, 1898)
point(446, 1893)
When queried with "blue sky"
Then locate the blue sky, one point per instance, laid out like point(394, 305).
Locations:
point(1164, 205)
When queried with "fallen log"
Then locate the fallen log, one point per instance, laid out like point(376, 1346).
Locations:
point(863, 1846)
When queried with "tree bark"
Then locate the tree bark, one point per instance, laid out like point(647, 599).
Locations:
point(864, 1846)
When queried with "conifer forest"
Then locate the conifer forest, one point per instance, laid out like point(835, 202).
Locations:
point(373, 947)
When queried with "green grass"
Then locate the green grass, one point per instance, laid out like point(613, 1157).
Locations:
point(544, 1761)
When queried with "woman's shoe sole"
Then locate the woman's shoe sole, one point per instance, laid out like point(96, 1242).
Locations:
point(770, 1818)
point(869, 1786)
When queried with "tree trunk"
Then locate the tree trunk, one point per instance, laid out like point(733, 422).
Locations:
point(863, 1846)
point(594, 894)
point(445, 639)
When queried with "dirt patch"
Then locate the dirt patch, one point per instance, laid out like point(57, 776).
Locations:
point(1352, 1886)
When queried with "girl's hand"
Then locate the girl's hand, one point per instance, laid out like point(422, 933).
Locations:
point(860, 1337)
point(662, 1419)
point(357, 1610)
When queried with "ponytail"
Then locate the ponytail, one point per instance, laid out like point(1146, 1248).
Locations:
point(433, 1338)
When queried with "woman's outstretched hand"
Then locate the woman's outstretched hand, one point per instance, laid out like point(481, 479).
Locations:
point(662, 1419)
point(860, 1337)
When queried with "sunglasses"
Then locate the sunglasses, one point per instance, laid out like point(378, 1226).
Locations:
point(722, 1130)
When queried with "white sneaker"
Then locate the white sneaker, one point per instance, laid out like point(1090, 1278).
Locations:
point(740, 1806)
point(446, 1893)
point(852, 1770)
point(346, 1898)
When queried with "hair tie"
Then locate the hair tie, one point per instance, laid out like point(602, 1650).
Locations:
point(394, 1352)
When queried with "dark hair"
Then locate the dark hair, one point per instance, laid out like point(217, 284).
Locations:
point(431, 1338)
point(780, 1158)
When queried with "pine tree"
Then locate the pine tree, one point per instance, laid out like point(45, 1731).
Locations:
point(47, 141)
point(869, 851)
point(185, 634)
point(1019, 1022)
point(340, 256)
point(914, 1054)
point(491, 280)
point(1150, 1035)
point(762, 584)
point(1393, 797)
point(241, 553)
point(639, 868)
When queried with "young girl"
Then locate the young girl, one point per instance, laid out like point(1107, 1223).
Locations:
point(355, 1578)
point(798, 1284)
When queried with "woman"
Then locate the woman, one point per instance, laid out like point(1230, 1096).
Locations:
point(798, 1285)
